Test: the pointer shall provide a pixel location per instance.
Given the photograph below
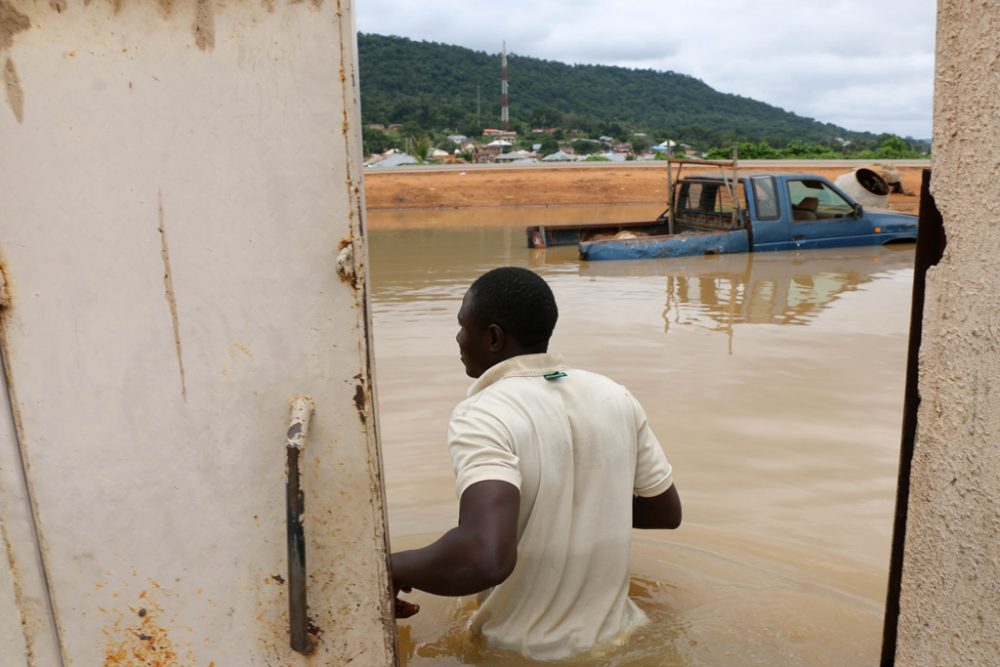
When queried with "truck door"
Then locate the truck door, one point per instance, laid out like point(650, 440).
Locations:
point(822, 217)
point(770, 228)
point(183, 255)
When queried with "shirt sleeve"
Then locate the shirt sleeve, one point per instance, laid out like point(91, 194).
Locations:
point(481, 448)
point(653, 473)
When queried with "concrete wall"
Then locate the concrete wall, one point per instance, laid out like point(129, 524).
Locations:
point(950, 601)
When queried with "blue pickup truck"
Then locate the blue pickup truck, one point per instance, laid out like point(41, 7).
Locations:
point(713, 214)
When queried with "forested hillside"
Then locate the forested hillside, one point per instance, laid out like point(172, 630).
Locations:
point(435, 85)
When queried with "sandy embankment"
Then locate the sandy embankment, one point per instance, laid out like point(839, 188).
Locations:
point(571, 185)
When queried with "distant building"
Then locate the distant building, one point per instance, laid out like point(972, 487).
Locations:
point(396, 160)
point(516, 156)
point(494, 132)
point(558, 156)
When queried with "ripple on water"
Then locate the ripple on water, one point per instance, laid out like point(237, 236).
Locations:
point(705, 607)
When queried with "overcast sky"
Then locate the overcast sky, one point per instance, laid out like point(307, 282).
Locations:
point(865, 65)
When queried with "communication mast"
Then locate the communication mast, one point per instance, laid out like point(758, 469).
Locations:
point(504, 99)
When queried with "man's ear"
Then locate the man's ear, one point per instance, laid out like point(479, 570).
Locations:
point(496, 337)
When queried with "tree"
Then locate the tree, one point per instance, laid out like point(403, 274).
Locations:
point(891, 147)
point(585, 146)
point(435, 86)
point(640, 144)
point(546, 116)
point(421, 148)
point(376, 141)
point(548, 143)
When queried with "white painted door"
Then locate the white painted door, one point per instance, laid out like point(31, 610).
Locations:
point(181, 237)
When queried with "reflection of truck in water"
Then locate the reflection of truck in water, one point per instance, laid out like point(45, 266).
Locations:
point(713, 214)
point(719, 293)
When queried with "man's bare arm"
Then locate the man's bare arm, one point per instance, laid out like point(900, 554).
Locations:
point(479, 553)
point(662, 511)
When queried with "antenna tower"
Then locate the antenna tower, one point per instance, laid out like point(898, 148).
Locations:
point(504, 99)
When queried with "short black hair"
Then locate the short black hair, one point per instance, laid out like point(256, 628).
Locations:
point(519, 301)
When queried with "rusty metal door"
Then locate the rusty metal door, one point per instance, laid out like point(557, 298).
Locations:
point(182, 247)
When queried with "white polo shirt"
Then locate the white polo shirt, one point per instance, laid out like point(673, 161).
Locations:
point(578, 447)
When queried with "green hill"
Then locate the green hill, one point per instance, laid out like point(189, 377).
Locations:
point(434, 86)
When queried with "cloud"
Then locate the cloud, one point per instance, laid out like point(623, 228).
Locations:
point(861, 64)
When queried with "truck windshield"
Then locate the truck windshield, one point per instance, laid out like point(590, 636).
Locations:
point(815, 200)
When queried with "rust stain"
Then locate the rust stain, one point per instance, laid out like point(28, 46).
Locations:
point(4, 287)
point(15, 95)
point(204, 25)
point(235, 350)
point(241, 348)
point(58, 5)
point(166, 7)
point(168, 283)
point(359, 401)
point(15, 576)
point(11, 23)
point(142, 639)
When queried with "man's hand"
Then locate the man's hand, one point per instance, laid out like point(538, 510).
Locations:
point(405, 609)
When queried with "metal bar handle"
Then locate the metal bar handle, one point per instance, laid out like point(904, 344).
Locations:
point(298, 609)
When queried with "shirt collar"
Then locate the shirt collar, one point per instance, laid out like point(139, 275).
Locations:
point(523, 365)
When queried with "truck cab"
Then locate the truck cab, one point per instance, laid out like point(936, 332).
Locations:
point(804, 211)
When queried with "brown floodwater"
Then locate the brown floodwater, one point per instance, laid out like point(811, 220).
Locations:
point(774, 382)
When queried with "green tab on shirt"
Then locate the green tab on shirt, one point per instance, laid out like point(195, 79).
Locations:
point(554, 376)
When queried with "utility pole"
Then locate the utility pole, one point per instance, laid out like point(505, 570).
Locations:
point(478, 121)
point(504, 99)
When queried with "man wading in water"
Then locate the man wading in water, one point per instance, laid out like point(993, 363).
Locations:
point(554, 467)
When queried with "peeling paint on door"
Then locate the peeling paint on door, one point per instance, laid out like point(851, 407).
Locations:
point(11, 23)
point(12, 86)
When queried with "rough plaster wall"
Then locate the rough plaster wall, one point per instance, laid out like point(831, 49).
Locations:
point(950, 601)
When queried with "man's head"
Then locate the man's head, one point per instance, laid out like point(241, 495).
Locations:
point(506, 312)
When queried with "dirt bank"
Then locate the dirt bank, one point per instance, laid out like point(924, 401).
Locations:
point(568, 185)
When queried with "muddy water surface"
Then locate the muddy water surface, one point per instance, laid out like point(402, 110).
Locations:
point(774, 382)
